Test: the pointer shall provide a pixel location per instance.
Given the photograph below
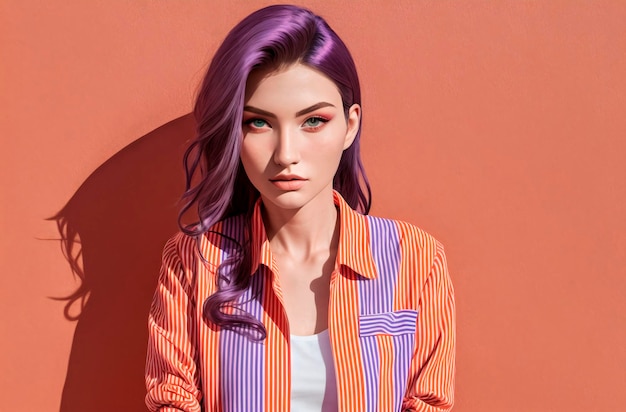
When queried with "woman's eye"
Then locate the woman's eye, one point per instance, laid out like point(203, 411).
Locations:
point(258, 123)
point(315, 122)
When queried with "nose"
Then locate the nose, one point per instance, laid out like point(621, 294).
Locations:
point(286, 151)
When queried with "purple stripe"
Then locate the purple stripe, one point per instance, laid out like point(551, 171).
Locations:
point(370, 360)
point(376, 297)
point(390, 323)
point(242, 359)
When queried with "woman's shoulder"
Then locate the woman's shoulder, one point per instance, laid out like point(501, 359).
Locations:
point(404, 233)
point(409, 246)
point(188, 244)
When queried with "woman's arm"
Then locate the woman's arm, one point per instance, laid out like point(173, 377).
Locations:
point(431, 377)
point(171, 374)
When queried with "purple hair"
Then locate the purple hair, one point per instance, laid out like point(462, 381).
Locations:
point(271, 37)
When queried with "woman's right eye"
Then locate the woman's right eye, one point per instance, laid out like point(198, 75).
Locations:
point(256, 123)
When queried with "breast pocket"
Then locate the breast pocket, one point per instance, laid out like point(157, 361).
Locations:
point(388, 323)
point(387, 342)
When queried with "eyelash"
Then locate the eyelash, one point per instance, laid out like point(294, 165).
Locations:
point(320, 119)
point(254, 119)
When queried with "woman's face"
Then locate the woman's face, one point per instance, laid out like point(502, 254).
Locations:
point(294, 132)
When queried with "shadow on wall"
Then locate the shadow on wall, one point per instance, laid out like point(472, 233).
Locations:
point(117, 224)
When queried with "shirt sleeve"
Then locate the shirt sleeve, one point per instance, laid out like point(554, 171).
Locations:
point(431, 380)
point(172, 380)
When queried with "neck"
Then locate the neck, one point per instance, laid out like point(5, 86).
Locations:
point(302, 232)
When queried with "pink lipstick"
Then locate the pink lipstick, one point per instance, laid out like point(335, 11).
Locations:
point(288, 182)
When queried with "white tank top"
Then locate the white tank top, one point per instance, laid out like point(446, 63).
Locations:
point(313, 384)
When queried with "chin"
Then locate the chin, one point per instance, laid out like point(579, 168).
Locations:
point(287, 200)
point(294, 200)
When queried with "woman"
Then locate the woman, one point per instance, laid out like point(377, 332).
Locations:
point(285, 295)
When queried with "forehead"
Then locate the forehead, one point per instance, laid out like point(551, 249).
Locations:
point(294, 84)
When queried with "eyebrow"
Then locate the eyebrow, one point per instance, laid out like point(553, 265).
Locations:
point(298, 114)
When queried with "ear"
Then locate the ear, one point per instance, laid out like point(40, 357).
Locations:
point(354, 122)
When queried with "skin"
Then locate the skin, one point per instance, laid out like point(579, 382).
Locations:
point(294, 126)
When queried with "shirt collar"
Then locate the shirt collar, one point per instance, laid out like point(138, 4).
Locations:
point(354, 249)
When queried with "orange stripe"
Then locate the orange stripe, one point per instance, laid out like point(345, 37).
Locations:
point(385, 397)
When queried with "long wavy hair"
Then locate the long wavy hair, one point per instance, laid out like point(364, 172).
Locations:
point(216, 183)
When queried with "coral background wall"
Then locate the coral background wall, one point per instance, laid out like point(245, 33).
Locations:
point(499, 127)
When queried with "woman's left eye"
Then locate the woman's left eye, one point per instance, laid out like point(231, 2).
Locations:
point(315, 122)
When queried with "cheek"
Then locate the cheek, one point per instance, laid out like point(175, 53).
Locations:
point(251, 153)
point(329, 148)
point(325, 159)
point(249, 161)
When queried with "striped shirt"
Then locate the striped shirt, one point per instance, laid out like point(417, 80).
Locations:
point(391, 323)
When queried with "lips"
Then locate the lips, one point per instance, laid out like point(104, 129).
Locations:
point(288, 182)
point(287, 177)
